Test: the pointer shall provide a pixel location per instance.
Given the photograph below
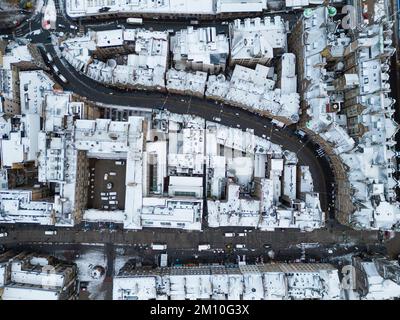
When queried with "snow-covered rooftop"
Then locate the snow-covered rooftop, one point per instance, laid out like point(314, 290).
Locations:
point(31, 277)
point(353, 112)
point(81, 8)
point(247, 282)
point(145, 67)
point(256, 40)
point(200, 49)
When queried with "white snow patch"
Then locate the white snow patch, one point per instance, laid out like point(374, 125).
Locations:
point(86, 262)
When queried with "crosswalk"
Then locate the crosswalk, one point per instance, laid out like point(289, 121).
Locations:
point(81, 31)
point(19, 33)
point(37, 18)
point(59, 10)
point(320, 152)
point(26, 26)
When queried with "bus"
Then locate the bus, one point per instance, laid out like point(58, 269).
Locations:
point(134, 21)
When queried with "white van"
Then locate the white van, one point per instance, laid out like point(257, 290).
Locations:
point(134, 21)
point(240, 246)
point(55, 69)
point(63, 79)
point(50, 233)
point(3, 234)
point(278, 123)
point(203, 247)
point(229, 234)
point(158, 246)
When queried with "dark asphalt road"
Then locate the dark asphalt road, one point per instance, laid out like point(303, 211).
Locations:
point(188, 240)
point(183, 245)
point(324, 253)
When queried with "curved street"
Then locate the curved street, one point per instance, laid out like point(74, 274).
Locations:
point(229, 115)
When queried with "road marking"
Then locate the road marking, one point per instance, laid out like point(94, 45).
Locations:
point(189, 104)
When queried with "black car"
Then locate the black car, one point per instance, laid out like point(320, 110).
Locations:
point(104, 9)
